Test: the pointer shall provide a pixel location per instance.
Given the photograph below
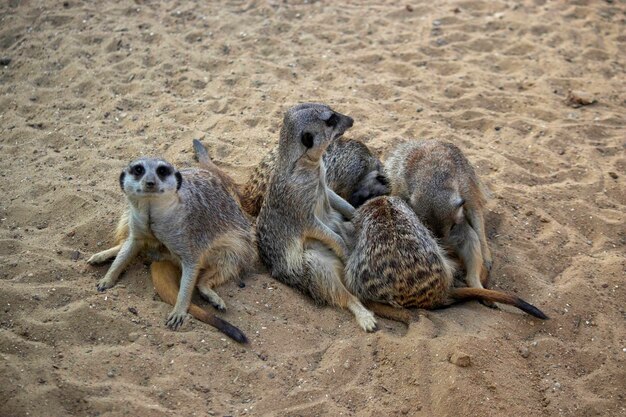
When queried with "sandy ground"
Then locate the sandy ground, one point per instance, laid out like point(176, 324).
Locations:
point(91, 85)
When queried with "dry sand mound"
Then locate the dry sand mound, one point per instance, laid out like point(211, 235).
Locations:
point(91, 85)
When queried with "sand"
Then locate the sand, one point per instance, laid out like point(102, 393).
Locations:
point(92, 85)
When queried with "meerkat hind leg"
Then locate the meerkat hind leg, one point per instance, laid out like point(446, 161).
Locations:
point(327, 273)
point(205, 287)
point(477, 221)
point(104, 256)
point(467, 244)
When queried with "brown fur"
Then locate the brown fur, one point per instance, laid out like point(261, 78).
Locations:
point(186, 217)
point(397, 261)
point(352, 171)
point(301, 232)
point(441, 186)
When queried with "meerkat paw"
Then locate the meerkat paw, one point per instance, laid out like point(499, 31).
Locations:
point(105, 284)
point(363, 316)
point(367, 321)
point(212, 297)
point(175, 319)
point(98, 258)
point(488, 264)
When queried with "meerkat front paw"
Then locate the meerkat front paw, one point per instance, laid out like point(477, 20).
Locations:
point(175, 319)
point(98, 258)
point(105, 284)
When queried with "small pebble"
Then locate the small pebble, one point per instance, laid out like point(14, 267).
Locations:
point(524, 352)
point(74, 255)
point(461, 359)
point(133, 336)
point(133, 310)
point(613, 175)
point(111, 373)
point(579, 98)
point(5, 60)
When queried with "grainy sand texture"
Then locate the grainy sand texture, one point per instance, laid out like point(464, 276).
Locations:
point(87, 86)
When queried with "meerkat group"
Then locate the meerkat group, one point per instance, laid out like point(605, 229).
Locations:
point(326, 224)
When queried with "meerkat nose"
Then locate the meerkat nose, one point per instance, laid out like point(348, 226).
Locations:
point(150, 184)
point(350, 121)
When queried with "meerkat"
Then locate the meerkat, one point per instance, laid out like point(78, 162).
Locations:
point(187, 217)
point(299, 227)
point(352, 172)
point(397, 261)
point(441, 186)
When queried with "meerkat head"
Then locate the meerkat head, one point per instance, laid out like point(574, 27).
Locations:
point(372, 185)
point(308, 129)
point(147, 177)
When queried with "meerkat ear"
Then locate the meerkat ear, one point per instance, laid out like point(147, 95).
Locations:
point(307, 139)
point(179, 180)
point(122, 176)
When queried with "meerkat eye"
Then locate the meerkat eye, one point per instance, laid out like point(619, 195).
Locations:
point(163, 171)
point(307, 139)
point(137, 170)
point(332, 121)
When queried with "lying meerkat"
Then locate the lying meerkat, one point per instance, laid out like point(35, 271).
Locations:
point(397, 261)
point(352, 171)
point(187, 217)
point(300, 226)
point(440, 185)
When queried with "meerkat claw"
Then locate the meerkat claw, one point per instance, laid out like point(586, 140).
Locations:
point(175, 320)
point(367, 323)
point(104, 284)
point(488, 265)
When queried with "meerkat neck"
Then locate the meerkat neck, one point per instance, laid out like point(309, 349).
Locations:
point(155, 204)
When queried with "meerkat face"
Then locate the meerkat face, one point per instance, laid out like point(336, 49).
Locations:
point(146, 177)
point(314, 126)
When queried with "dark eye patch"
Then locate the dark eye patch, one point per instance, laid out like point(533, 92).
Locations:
point(137, 170)
point(307, 139)
point(163, 171)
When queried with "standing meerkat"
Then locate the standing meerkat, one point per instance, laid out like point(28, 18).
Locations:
point(352, 171)
point(441, 186)
point(187, 217)
point(396, 260)
point(300, 226)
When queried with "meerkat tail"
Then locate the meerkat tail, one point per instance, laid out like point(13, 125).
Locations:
point(165, 277)
point(201, 153)
point(388, 312)
point(460, 294)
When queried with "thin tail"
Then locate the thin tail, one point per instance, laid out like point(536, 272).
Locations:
point(388, 312)
point(165, 277)
point(202, 154)
point(461, 294)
